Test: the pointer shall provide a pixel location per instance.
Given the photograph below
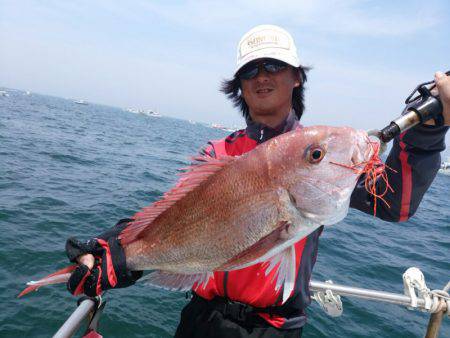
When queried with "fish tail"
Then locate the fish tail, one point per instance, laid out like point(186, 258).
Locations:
point(60, 276)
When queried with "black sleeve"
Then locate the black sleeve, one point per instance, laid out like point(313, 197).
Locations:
point(415, 157)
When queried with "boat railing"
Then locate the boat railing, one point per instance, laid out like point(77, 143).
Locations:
point(88, 310)
point(416, 297)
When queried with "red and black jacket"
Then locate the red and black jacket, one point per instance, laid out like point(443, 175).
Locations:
point(415, 157)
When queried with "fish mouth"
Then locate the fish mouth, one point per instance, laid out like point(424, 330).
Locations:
point(364, 149)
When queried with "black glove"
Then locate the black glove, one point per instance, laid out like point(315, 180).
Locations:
point(109, 271)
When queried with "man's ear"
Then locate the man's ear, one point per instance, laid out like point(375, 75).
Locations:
point(298, 78)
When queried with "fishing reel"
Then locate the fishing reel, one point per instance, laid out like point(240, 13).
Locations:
point(421, 105)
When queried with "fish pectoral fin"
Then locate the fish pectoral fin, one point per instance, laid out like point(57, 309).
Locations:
point(284, 265)
point(258, 252)
point(177, 281)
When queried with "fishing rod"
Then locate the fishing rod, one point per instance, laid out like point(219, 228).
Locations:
point(421, 105)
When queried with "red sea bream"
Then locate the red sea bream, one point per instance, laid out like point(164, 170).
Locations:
point(233, 212)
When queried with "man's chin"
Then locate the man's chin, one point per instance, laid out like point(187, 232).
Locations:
point(265, 111)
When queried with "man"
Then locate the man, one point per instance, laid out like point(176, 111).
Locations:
point(268, 88)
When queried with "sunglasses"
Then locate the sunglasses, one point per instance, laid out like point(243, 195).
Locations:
point(250, 70)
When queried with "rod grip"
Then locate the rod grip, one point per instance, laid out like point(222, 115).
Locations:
point(389, 132)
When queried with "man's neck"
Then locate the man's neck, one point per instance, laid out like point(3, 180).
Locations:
point(261, 132)
point(270, 120)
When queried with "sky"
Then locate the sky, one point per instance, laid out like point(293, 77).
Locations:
point(171, 56)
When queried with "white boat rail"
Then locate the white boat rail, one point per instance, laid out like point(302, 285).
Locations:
point(90, 310)
point(327, 294)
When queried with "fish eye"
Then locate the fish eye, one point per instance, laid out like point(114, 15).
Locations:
point(315, 154)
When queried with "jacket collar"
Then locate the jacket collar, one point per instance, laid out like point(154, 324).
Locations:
point(261, 132)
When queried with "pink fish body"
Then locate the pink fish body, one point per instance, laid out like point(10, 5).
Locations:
point(233, 212)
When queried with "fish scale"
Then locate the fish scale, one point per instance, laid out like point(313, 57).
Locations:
point(198, 229)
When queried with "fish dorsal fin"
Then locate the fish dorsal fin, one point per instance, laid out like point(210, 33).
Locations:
point(177, 281)
point(189, 180)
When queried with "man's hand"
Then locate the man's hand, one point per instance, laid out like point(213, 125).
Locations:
point(443, 87)
point(87, 259)
point(102, 264)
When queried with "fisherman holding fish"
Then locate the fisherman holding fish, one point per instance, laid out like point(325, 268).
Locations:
point(260, 288)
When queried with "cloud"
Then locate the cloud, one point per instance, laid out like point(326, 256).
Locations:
point(351, 17)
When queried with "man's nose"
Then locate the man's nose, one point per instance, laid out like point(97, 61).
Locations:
point(262, 73)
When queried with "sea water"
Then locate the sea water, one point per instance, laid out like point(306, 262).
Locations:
point(74, 170)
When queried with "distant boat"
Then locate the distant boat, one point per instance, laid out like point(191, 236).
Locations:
point(4, 93)
point(149, 113)
point(445, 167)
point(80, 102)
point(219, 126)
point(27, 93)
point(153, 113)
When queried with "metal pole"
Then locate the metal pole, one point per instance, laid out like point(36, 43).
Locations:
point(434, 325)
point(383, 296)
point(76, 319)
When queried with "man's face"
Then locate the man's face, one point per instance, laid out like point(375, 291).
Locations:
point(270, 94)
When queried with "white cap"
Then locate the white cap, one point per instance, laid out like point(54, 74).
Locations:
point(267, 41)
